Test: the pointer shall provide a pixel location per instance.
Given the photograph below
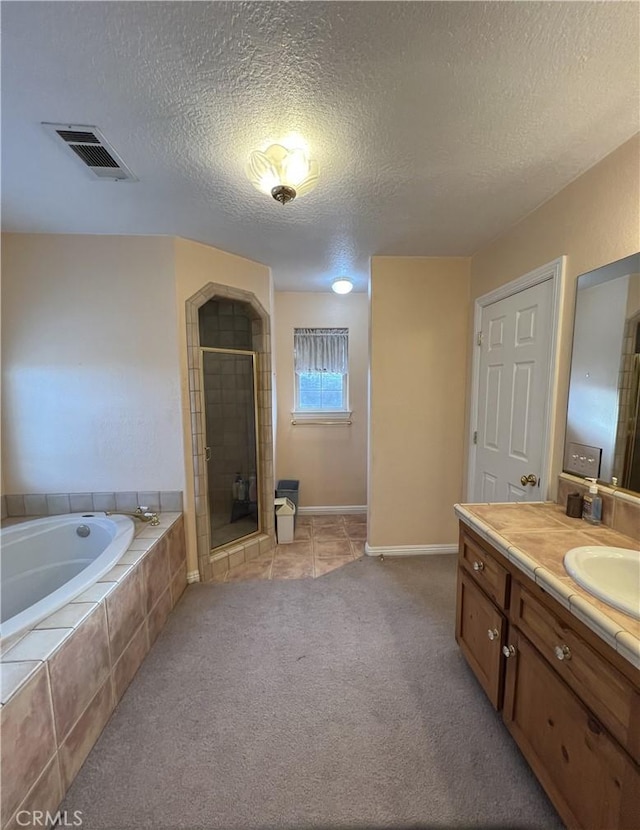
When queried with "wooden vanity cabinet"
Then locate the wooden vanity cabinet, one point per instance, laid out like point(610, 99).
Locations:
point(611, 696)
point(481, 622)
point(481, 632)
point(570, 702)
point(588, 777)
point(485, 569)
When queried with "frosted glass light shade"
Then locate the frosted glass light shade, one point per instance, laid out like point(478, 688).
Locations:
point(342, 286)
point(276, 166)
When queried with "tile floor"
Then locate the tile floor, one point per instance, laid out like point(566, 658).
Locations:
point(321, 544)
point(223, 531)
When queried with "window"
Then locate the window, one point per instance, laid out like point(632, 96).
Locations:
point(321, 370)
point(321, 390)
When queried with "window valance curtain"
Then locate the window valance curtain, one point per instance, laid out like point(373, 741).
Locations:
point(321, 350)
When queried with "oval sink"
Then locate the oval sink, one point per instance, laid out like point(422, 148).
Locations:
point(611, 574)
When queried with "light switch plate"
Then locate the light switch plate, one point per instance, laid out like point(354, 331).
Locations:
point(582, 460)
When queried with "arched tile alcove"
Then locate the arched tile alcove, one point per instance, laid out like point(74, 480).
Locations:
point(213, 564)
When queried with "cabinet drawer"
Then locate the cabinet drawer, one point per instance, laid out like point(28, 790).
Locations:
point(590, 780)
point(480, 633)
point(485, 570)
point(610, 696)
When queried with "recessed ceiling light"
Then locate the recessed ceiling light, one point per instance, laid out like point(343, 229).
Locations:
point(342, 285)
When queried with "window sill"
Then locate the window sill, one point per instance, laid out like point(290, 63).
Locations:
point(321, 417)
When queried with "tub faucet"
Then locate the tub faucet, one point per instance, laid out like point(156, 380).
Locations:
point(142, 513)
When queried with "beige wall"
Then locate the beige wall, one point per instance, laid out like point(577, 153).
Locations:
point(593, 221)
point(329, 461)
point(94, 361)
point(95, 378)
point(195, 266)
point(419, 325)
point(91, 395)
point(198, 264)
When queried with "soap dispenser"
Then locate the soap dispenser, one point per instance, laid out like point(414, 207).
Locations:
point(592, 504)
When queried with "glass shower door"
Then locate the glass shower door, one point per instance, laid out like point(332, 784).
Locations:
point(229, 396)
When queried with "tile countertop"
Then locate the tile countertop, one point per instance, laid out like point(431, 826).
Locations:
point(535, 538)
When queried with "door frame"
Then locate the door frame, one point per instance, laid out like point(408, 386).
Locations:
point(554, 271)
point(239, 540)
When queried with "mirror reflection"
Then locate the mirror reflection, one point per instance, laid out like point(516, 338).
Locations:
point(603, 424)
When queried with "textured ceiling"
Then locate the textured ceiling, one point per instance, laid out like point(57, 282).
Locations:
point(436, 125)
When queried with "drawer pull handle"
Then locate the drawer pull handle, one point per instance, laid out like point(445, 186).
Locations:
point(508, 651)
point(478, 566)
point(493, 633)
point(562, 652)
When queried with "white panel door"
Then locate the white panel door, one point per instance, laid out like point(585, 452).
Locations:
point(515, 360)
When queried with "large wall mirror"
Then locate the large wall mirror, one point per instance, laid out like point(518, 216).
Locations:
point(603, 418)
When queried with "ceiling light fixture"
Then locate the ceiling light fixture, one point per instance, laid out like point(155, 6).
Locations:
point(342, 285)
point(282, 172)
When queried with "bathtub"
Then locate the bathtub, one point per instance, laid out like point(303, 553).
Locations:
point(46, 563)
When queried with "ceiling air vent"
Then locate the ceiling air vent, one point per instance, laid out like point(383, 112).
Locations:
point(89, 146)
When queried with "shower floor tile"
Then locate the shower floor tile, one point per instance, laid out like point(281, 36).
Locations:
point(222, 532)
point(321, 544)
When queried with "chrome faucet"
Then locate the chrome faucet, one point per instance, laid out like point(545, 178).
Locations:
point(142, 513)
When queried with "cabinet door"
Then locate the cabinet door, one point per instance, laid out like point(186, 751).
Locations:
point(613, 699)
point(588, 777)
point(480, 632)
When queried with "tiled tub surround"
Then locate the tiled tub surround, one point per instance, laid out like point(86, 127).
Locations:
point(56, 504)
point(535, 537)
point(47, 562)
point(62, 680)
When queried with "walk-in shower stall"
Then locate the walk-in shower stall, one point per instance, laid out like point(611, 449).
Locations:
point(229, 385)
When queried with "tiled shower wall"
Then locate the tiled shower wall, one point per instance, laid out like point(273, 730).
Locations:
point(228, 394)
point(626, 390)
point(230, 425)
point(225, 324)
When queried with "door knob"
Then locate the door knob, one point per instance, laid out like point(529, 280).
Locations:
point(493, 633)
point(207, 453)
point(530, 479)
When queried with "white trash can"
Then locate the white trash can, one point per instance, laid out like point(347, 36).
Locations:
point(285, 511)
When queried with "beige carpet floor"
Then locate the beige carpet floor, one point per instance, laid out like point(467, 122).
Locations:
point(338, 702)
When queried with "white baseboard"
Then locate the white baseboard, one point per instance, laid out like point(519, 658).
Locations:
point(193, 576)
point(410, 550)
point(332, 508)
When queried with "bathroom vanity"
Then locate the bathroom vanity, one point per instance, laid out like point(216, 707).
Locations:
point(559, 664)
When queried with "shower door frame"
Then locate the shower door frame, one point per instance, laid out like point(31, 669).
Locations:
point(256, 428)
